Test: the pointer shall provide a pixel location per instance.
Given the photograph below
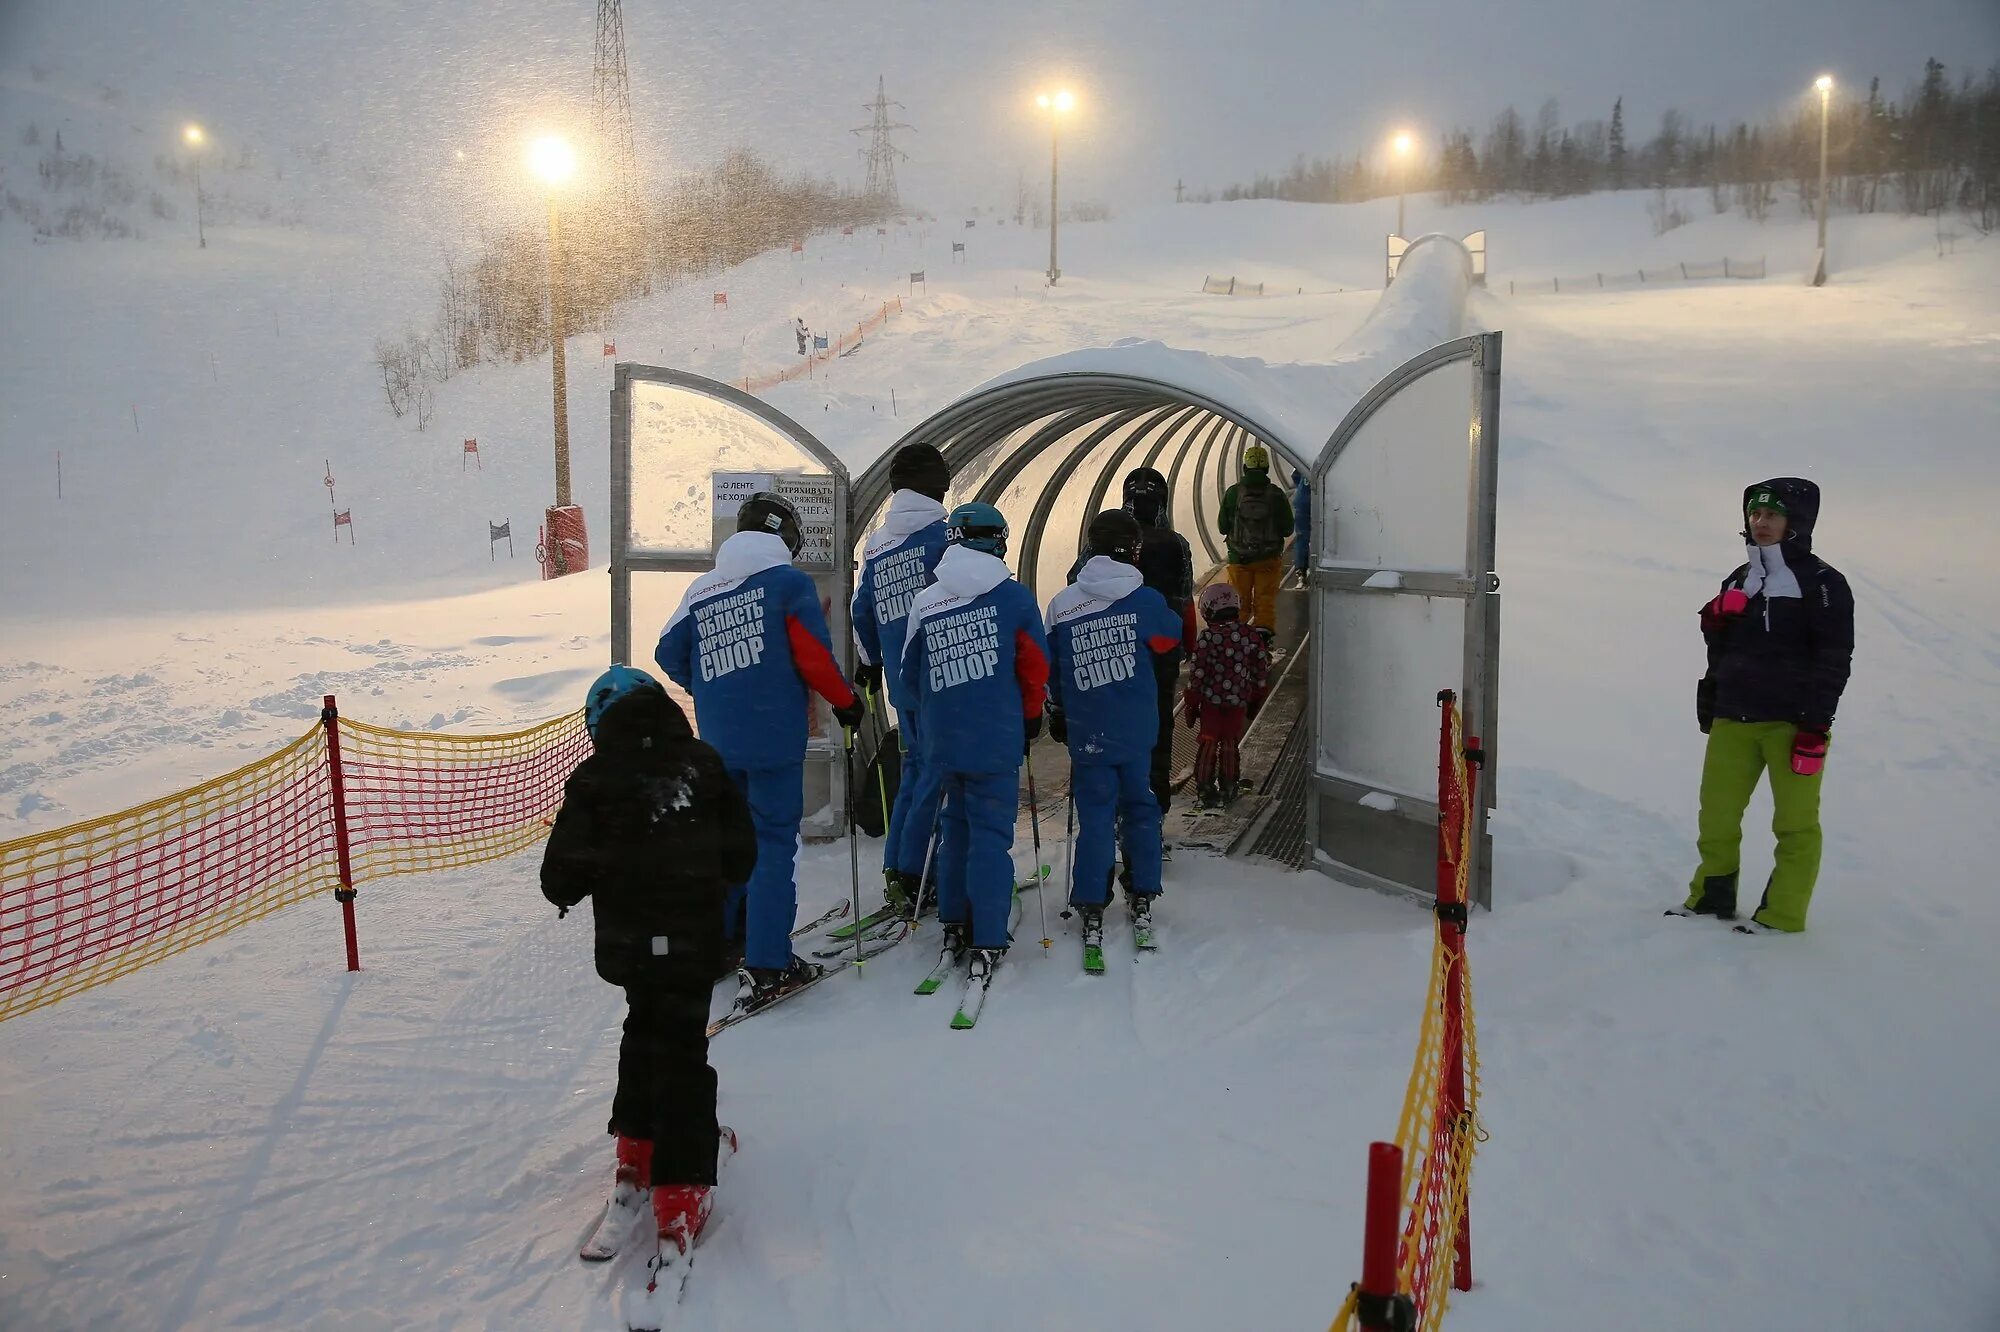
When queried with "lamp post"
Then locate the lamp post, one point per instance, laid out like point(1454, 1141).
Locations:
point(1825, 85)
point(1055, 104)
point(195, 137)
point(1402, 144)
point(555, 162)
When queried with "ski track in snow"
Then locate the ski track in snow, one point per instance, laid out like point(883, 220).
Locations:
point(1687, 1127)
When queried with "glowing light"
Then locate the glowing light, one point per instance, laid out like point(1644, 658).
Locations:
point(1403, 143)
point(552, 159)
point(195, 136)
point(1059, 101)
point(1824, 83)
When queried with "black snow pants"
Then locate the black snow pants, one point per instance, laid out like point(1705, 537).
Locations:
point(1167, 677)
point(666, 1090)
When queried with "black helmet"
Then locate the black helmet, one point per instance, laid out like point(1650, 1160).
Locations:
point(1146, 495)
point(920, 467)
point(768, 511)
point(1115, 533)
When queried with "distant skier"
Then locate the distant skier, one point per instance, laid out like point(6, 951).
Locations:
point(975, 654)
point(1255, 520)
point(897, 563)
point(654, 831)
point(1167, 564)
point(747, 641)
point(1232, 669)
point(1780, 645)
point(1107, 630)
point(805, 336)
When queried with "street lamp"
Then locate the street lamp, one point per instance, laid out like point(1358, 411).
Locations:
point(1056, 104)
point(554, 161)
point(1403, 144)
point(196, 137)
point(1825, 85)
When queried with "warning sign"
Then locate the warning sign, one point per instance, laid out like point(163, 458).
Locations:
point(812, 496)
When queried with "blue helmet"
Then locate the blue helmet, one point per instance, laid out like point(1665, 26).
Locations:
point(616, 683)
point(979, 526)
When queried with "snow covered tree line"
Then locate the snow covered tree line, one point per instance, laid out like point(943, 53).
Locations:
point(1935, 149)
point(493, 305)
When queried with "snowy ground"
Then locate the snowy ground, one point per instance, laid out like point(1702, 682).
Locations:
point(1689, 1129)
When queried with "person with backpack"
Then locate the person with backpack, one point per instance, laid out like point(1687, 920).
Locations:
point(898, 562)
point(975, 655)
point(654, 832)
point(1231, 674)
point(1166, 563)
point(748, 640)
point(1255, 519)
point(1103, 704)
point(1780, 638)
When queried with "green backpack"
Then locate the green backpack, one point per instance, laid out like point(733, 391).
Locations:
point(1254, 534)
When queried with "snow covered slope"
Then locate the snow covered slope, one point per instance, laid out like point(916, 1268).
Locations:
point(1688, 1128)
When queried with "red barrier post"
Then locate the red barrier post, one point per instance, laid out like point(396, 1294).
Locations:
point(1454, 1012)
point(1454, 804)
point(1376, 1295)
point(329, 717)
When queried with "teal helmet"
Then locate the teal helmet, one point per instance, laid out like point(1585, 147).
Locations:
point(616, 683)
point(979, 526)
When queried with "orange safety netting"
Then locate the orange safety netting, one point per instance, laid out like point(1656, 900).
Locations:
point(85, 904)
point(1439, 1126)
point(839, 347)
point(88, 903)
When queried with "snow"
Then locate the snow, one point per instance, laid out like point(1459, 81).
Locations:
point(1687, 1127)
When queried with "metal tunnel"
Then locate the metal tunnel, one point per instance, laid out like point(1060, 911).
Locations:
point(1053, 450)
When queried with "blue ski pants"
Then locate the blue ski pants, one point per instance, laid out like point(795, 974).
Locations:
point(768, 904)
point(913, 818)
point(975, 859)
point(1107, 794)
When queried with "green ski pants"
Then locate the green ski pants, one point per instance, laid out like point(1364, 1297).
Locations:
point(1738, 754)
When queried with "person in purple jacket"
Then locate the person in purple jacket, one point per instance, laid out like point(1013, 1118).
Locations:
point(897, 563)
point(1105, 629)
point(747, 641)
point(974, 655)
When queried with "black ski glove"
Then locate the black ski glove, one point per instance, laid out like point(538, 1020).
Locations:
point(1058, 726)
point(868, 678)
point(1031, 728)
point(851, 713)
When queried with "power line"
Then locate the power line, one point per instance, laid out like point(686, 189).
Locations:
point(881, 152)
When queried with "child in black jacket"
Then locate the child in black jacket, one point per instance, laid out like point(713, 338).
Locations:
point(652, 828)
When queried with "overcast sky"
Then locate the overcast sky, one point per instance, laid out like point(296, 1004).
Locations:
point(1209, 92)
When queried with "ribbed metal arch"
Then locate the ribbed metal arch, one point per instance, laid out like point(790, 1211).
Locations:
point(1078, 413)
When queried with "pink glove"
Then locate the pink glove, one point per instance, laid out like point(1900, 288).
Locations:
point(1808, 752)
point(1727, 606)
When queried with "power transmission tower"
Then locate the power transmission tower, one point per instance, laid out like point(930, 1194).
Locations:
point(881, 152)
point(611, 120)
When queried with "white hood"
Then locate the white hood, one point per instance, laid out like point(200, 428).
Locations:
point(909, 513)
point(1100, 582)
point(962, 575)
point(738, 558)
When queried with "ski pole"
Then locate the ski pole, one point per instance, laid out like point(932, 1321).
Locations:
point(853, 851)
point(1041, 870)
point(1069, 847)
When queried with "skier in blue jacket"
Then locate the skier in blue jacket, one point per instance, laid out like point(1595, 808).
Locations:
point(747, 641)
point(974, 655)
point(897, 563)
point(1105, 629)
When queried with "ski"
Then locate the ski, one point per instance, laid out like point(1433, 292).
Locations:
point(833, 913)
point(1093, 959)
point(971, 1002)
point(1684, 914)
point(873, 920)
point(868, 950)
point(1143, 937)
point(834, 949)
point(946, 964)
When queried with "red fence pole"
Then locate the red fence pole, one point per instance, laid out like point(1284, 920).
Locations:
point(1376, 1296)
point(1454, 804)
point(1454, 1012)
point(329, 717)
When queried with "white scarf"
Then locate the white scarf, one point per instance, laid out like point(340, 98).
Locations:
point(1769, 574)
